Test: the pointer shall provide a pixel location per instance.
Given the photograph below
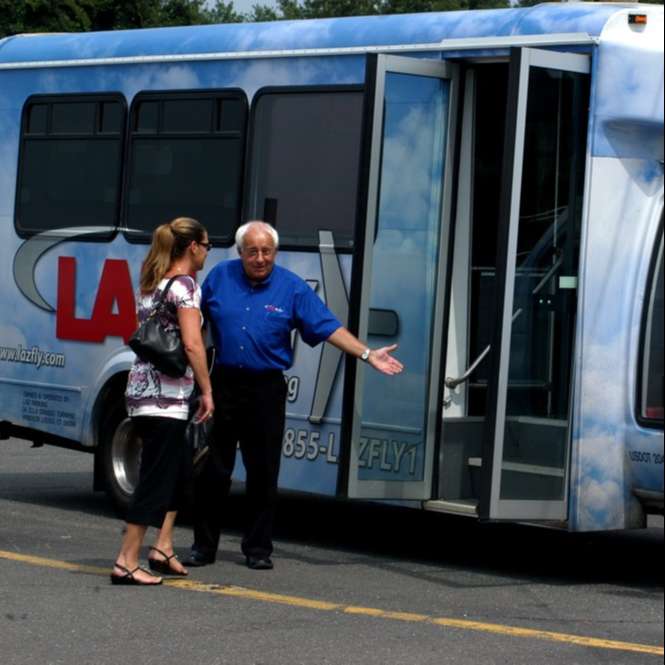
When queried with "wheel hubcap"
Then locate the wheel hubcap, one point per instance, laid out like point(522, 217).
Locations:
point(126, 456)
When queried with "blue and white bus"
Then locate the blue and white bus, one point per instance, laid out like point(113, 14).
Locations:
point(484, 188)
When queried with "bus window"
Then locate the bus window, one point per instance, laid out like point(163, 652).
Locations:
point(75, 118)
point(187, 159)
point(70, 163)
point(652, 351)
point(36, 119)
point(305, 163)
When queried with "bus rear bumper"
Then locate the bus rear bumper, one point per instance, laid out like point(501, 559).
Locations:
point(650, 500)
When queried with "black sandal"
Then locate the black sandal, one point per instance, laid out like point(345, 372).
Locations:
point(128, 578)
point(163, 566)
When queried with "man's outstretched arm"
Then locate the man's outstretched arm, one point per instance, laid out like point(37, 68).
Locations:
point(380, 359)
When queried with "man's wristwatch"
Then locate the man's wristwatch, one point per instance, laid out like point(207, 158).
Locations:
point(365, 355)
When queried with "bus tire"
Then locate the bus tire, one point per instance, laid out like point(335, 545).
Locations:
point(120, 457)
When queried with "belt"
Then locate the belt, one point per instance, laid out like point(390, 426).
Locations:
point(248, 374)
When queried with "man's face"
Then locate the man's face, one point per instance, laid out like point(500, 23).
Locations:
point(258, 255)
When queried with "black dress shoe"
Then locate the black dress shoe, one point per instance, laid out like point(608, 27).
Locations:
point(198, 560)
point(259, 563)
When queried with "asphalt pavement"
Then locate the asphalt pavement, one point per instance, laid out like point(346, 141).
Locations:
point(353, 584)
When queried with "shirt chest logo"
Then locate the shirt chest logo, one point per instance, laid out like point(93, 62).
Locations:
point(273, 309)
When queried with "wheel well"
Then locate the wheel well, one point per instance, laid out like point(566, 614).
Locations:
point(113, 389)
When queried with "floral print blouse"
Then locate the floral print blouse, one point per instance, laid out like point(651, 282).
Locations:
point(149, 392)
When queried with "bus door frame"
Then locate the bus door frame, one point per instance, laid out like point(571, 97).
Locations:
point(491, 505)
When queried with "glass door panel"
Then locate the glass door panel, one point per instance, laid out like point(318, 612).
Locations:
point(406, 246)
point(531, 392)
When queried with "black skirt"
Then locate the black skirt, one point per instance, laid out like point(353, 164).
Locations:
point(164, 470)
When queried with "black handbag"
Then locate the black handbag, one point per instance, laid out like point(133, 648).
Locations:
point(197, 437)
point(197, 434)
point(154, 344)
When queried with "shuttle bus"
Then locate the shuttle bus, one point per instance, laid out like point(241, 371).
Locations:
point(483, 188)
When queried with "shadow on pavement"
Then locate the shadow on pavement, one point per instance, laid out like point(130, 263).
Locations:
point(390, 538)
point(383, 533)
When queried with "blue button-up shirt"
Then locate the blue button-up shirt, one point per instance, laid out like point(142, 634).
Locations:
point(251, 325)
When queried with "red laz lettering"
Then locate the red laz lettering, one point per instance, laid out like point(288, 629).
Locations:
point(115, 286)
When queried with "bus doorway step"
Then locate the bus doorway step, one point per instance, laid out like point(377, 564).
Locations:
point(457, 507)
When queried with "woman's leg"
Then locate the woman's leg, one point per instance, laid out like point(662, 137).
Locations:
point(146, 506)
point(179, 472)
point(163, 547)
point(128, 557)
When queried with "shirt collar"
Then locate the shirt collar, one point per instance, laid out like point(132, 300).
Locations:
point(260, 285)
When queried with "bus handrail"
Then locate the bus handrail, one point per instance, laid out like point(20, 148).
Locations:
point(453, 383)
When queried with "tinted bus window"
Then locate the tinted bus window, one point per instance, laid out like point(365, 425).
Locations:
point(186, 161)
point(37, 115)
point(111, 119)
point(652, 364)
point(70, 163)
point(76, 118)
point(305, 163)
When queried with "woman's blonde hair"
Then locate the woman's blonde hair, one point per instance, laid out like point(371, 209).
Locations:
point(169, 242)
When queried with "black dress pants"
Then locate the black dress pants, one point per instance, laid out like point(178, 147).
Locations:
point(250, 411)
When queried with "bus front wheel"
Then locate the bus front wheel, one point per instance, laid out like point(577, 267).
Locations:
point(121, 458)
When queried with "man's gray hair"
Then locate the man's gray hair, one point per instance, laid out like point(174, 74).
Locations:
point(266, 228)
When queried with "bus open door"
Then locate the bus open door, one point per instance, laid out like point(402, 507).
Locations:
point(494, 441)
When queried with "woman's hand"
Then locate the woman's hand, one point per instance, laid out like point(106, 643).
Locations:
point(206, 408)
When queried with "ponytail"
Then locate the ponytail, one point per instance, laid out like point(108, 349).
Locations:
point(169, 242)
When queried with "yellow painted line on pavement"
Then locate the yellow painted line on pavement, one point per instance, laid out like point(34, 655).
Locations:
point(306, 603)
point(52, 563)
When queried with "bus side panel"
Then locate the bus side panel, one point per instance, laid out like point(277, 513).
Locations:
point(38, 384)
point(311, 446)
point(46, 381)
point(625, 204)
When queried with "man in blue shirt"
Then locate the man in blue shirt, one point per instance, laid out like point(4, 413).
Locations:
point(252, 306)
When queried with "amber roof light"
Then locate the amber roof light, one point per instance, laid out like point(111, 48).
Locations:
point(637, 19)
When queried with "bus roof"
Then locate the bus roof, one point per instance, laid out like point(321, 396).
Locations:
point(403, 29)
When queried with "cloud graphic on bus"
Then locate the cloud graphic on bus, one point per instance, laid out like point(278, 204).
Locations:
point(12, 336)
